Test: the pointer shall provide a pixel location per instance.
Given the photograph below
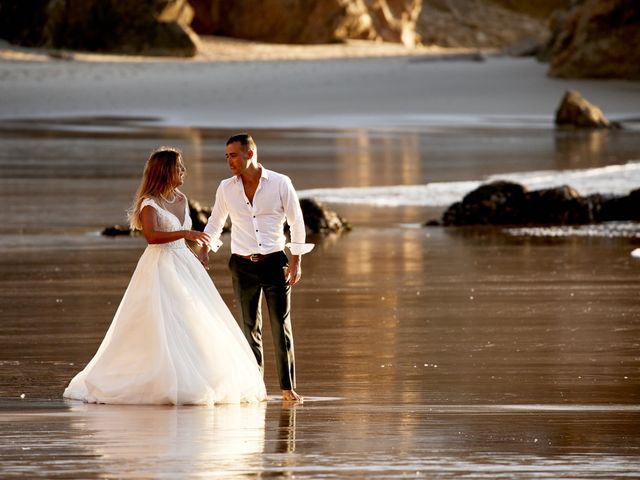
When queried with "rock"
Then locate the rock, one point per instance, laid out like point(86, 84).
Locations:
point(142, 27)
point(200, 215)
point(555, 22)
point(538, 9)
point(575, 111)
point(394, 20)
point(526, 47)
point(514, 27)
point(119, 231)
point(22, 22)
point(556, 206)
point(497, 203)
point(309, 21)
point(317, 218)
point(507, 203)
point(620, 208)
point(598, 39)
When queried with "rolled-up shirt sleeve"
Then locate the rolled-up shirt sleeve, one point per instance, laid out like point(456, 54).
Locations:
point(293, 214)
point(217, 219)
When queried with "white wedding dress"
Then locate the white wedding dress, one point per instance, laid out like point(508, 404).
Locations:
point(172, 340)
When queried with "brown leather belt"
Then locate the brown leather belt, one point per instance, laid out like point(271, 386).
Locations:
point(256, 257)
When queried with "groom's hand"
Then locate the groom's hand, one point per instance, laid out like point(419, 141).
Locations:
point(294, 271)
point(203, 256)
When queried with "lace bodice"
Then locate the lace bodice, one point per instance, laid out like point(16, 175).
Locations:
point(168, 222)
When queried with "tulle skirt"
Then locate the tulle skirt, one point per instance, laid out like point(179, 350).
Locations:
point(172, 341)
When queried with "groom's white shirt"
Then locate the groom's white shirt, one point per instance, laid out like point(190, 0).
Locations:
point(258, 227)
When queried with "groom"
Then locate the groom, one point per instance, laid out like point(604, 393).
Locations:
point(259, 201)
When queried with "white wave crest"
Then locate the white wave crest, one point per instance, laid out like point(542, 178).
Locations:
point(613, 179)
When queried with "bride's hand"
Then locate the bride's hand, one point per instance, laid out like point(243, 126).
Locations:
point(203, 257)
point(200, 238)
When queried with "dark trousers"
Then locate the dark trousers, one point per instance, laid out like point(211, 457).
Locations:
point(250, 281)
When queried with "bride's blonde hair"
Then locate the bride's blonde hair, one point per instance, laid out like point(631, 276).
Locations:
point(158, 180)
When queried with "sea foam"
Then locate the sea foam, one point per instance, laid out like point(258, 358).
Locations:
point(613, 179)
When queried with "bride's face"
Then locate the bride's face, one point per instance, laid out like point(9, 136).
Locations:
point(178, 176)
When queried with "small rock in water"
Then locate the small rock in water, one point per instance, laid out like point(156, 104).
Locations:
point(577, 112)
point(635, 253)
point(22, 395)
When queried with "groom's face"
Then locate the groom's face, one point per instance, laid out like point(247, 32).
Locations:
point(237, 159)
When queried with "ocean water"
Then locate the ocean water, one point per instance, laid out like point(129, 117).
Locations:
point(423, 352)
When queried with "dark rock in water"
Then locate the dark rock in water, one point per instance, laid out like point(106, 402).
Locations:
point(317, 219)
point(556, 206)
point(119, 231)
point(575, 111)
point(621, 208)
point(497, 203)
point(506, 203)
point(199, 215)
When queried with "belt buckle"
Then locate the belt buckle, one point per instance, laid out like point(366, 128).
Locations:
point(254, 257)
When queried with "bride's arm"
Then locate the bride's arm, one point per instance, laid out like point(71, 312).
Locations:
point(153, 235)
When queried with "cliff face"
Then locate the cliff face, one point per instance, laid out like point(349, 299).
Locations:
point(309, 21)
point(162, 27)
point(584, 38)
point(486, 24)
point(580, 38)
point(145, 27)
point(598, 39)
point(539, 8)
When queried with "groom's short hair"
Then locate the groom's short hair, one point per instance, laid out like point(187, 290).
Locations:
point(245, 140)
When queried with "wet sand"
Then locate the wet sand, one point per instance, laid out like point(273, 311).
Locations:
point(423, 352)
point(399, 92)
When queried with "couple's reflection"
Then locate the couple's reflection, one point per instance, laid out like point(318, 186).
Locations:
point(228, 440)
point(286, 438)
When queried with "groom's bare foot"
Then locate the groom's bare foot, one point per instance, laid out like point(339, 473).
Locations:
point(291, 396)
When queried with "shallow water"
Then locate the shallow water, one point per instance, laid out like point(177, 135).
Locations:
point(423, 352)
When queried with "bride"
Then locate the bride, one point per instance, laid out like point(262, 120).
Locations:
point(172, 340)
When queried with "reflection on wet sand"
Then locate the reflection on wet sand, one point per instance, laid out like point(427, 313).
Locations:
point(581, 152)
point(287, 428)
point(326, 437)
point(368, 158)
point(223, 441)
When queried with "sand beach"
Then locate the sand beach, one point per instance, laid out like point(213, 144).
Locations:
point(313, 87)
point(424, 352)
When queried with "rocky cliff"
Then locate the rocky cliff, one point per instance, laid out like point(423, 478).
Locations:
point(598, 39)
point(486, 24)
point(162, 27)
point(144, 27)
point(309, 21)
